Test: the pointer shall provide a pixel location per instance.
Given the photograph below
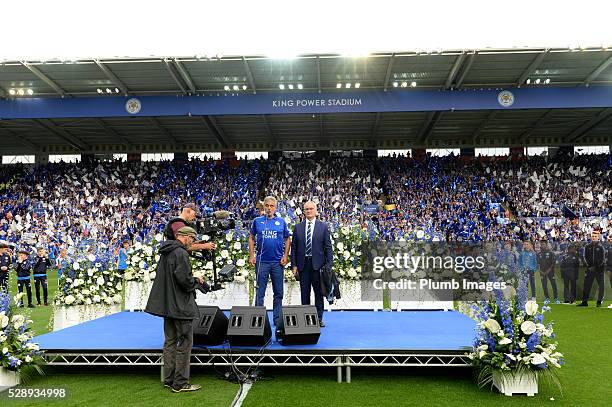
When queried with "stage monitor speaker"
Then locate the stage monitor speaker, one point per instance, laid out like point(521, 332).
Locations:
point(298, 325)
point(211, 327)
point(249, 326)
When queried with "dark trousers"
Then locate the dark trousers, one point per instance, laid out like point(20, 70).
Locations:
point(178, 334)
point(549, 276)
point(593, 274)
point(531, 275)
point(311, 278)
point(21, 284)
point(38, 283)
point(4, 280)
point(569, 284)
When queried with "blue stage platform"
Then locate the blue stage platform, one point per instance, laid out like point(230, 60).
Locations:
point(351, 338)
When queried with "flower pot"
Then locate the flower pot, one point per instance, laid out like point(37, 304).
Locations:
point(8, 378)
point(509, 383)
point(137, 294)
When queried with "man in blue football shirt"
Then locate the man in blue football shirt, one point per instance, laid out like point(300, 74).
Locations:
point(269, 234)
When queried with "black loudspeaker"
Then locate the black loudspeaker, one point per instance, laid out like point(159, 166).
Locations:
point(298, 325)
point(211, 327)
point(249, 326)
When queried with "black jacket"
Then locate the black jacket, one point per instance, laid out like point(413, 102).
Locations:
point(173, 291)
point(41, 265)
point(24, 269)
point(594, 256)
point(330, 286)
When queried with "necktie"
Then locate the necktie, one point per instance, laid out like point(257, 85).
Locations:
point(309, 240)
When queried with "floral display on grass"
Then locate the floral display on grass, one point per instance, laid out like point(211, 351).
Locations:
point(16, 347)
point(512, 337)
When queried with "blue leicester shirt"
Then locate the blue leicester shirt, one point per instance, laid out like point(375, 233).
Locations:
point(123, 256)
point(270, 235)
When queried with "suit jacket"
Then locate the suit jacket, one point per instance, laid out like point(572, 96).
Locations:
point(322, 254)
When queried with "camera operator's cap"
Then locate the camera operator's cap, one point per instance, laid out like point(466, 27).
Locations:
point(193, 207)
point(186, 231)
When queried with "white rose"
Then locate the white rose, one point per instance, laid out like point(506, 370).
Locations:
point(237, 245)
point(483, 347)
point(347, 255)
point(141, 265)
point(135, 259)
point(209, 265)
point(4, 320)
point(138, 246)
point(492, 325)
point(28, 359)
point(18, 297)
point(224, 254)
point(340, 246)
point(76, 265)
point(90, 273)
point(32, 346)
point(505, 341)
point(5, 350)
point(157, 258)
point(239, 279)
point(88, 301)
point(100, 280)
point(23, 338)
point(69, 299)
point(117, 298)
point(96, 298)
point(152, 275)
point(148, 251)
point(3, 337)
point(538, 359)
point(528, 327)
point(91, 257)
point(352, 273)
point(531, 307)
point(159, 237)
point(240, 263)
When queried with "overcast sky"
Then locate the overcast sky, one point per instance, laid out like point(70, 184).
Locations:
point(112, 28)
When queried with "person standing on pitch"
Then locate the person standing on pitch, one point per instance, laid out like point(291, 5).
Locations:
point(173, 298)
point(594, 256)
point(5, 264)
point(269, 233)
point(41, 265)
point(311, 250)
point(24, 271)
point(570, 265)
point(546, 262)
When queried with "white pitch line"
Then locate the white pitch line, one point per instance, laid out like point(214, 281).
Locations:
point(245, 390)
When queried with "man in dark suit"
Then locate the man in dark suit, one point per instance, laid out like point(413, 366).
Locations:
point(311, 250)
point(594, 257)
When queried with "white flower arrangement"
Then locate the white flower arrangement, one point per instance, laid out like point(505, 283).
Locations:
point(80, 286)
point(346, 247)
point(513, 338)
point(16, 335)
point(142, 262)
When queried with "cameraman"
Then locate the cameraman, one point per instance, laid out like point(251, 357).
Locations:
point(186, 218)
point(173, 298)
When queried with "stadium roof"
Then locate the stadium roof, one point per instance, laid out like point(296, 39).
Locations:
point(212, 75)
